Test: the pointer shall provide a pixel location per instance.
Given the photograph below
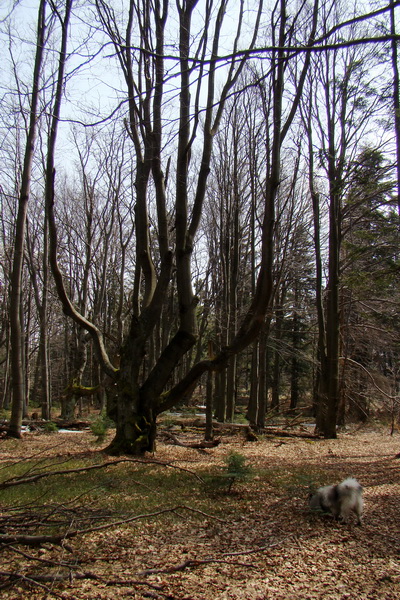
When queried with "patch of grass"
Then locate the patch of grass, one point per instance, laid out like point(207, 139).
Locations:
point(56, 503)
point(295, 482)
point(126, 488)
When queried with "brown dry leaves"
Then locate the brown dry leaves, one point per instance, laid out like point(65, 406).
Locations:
point(269, 547)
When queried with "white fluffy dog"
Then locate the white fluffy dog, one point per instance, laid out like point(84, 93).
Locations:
point(340, 500)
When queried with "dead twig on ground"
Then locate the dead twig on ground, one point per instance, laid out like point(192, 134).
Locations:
point(194, 562)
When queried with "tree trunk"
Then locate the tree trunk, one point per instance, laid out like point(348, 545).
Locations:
point(17, 365)
point(263, 379)
point(252, 407)
point(220, 396)
point(295, 367)
point(231, 390)
point(396, 97)
point(209, 402)
point(276, 376)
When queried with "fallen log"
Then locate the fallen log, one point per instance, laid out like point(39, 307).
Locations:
point(202, 445)
point(243, 427)
point(285, 433)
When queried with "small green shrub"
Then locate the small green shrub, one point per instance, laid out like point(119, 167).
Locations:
point(236, 467)
point(235, 470)
point(50, 427)
point(100, 426)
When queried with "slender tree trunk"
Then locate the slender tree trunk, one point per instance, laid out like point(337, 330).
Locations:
point(276, 377)
point(231, 390)
point(4, 402)
point(320, 389)
point(262, 380)
point(330, 372)
point(26, 314)
point(253, 406)
point(17, 365)
point(233, 278)
point(220, 396)
point(294, 370)
point(396, 96)
point(44, 334)
point(209, 406)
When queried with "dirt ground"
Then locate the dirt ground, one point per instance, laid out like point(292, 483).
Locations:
point(270, 547)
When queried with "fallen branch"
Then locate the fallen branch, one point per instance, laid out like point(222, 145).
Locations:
point(190, 562)
point(45, 561)
point(25, 578)
point(22, 480)
point(40, 580)
point(39, 540)
point(194, 562)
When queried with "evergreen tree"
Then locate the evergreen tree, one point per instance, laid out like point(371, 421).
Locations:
point(370, 292)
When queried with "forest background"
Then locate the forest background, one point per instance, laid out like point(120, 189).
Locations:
point(199, 200)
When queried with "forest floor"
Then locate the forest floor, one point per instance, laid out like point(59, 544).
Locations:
point(184, 539)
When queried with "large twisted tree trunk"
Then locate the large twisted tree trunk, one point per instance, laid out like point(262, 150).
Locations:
point(134, 403)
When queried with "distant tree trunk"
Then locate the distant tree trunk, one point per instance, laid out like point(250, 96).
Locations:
point(253, 405)
point(231, 390)
point(26, 316)
point(263, 379)
point(235, 236)
point(295, 363)
point(396, 96)
point(319, 397)
point(276, 373)
point(294, 367)
point(41, 387)
point(78, 352)
point(44, 363)
point(5, 402)
point(220, 396)
point(17, 365)
point(209, 406)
